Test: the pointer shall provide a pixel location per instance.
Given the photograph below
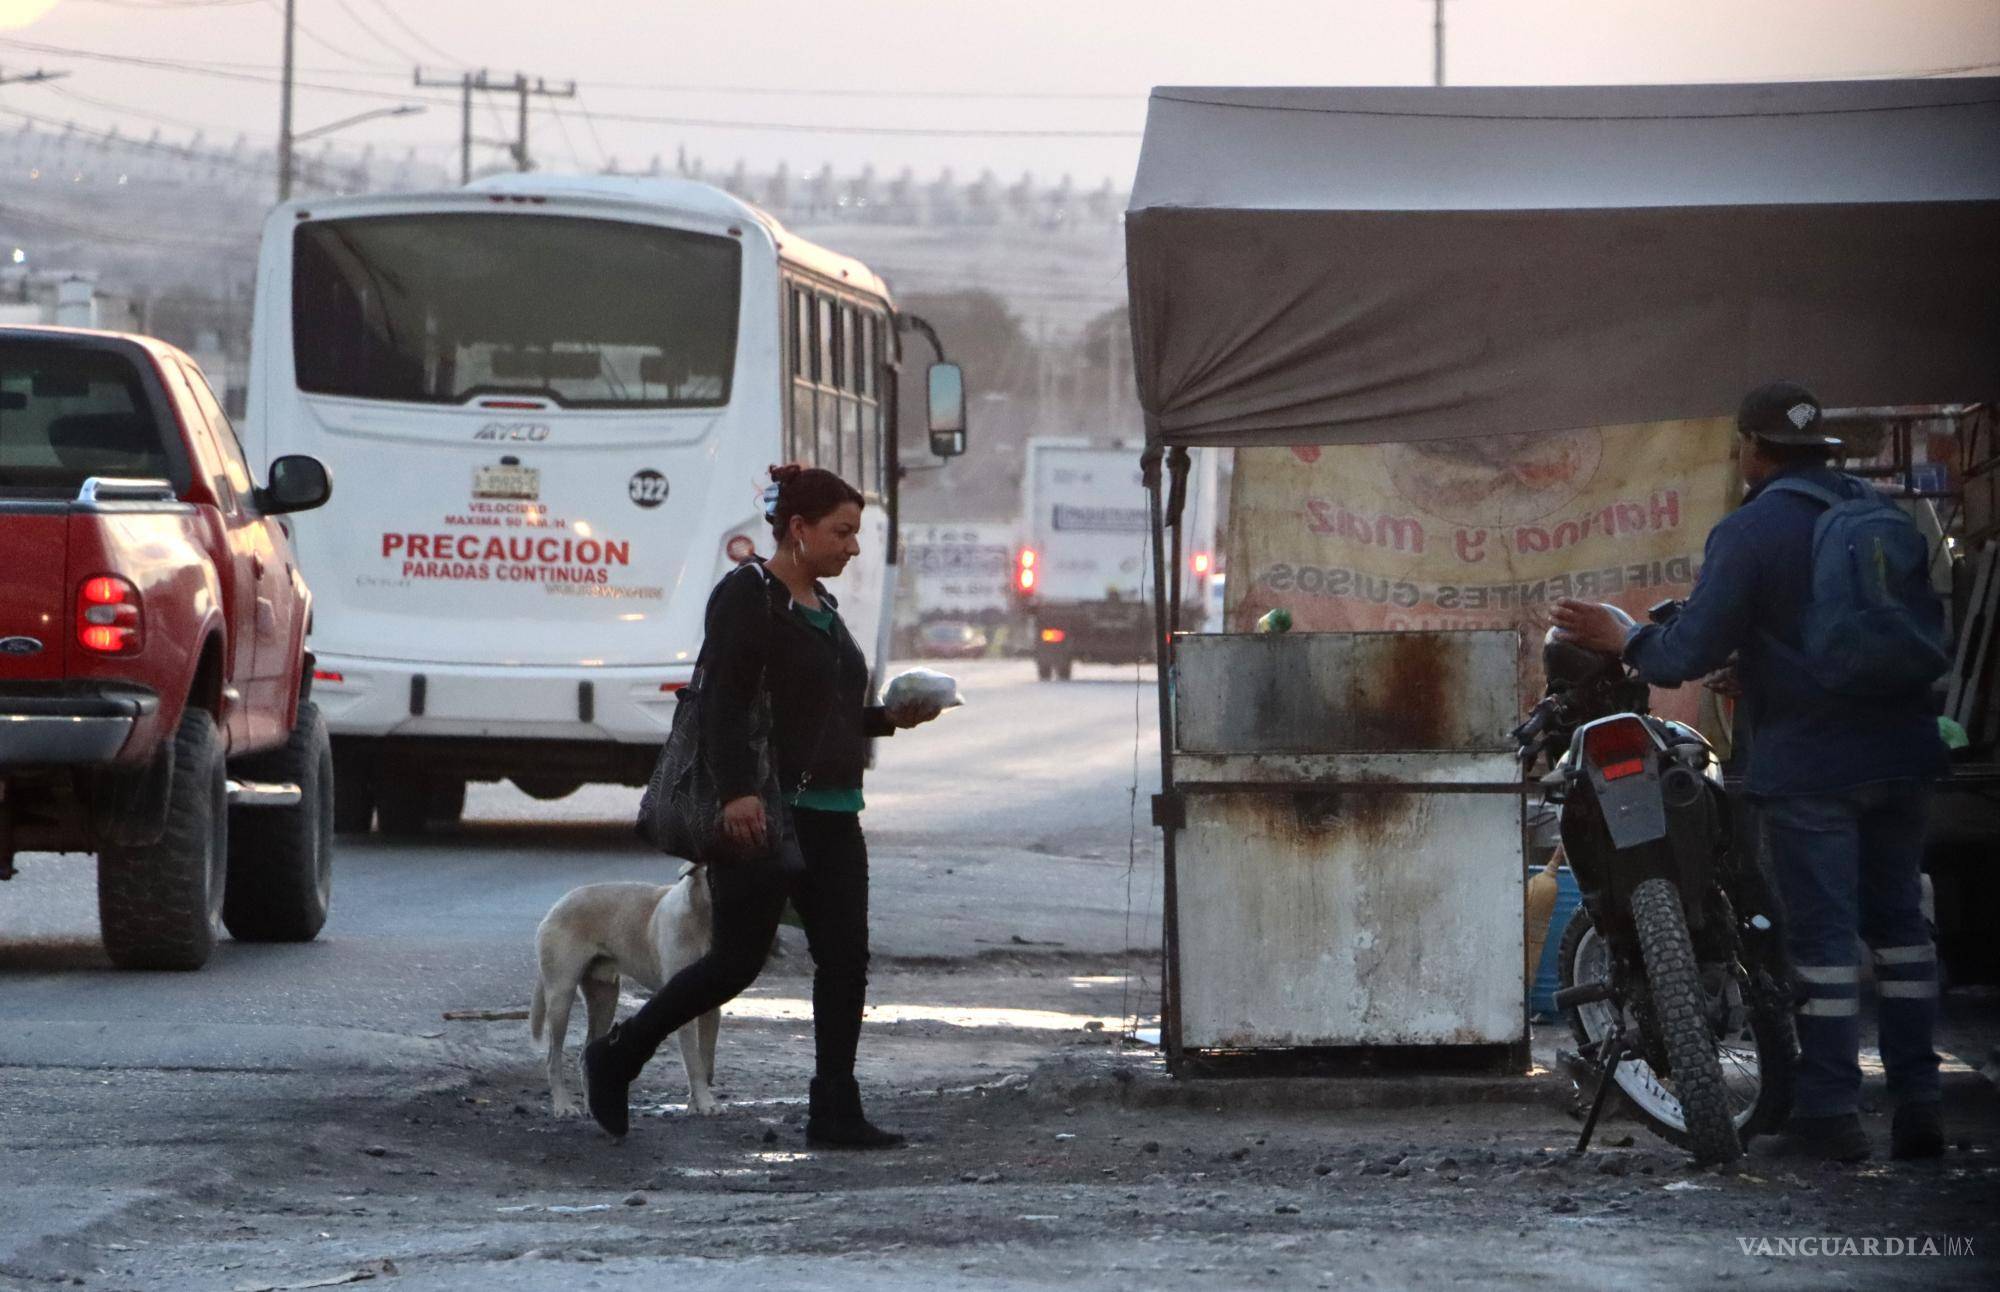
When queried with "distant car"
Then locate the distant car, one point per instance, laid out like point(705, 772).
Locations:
point(951, 639)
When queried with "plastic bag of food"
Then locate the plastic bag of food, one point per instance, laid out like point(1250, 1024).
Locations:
point(924, 688)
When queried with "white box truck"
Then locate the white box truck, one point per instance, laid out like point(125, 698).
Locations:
point(1084, 572)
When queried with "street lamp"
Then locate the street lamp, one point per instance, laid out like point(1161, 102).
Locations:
point(400, 110)
point(285, 136)
point(285, 179)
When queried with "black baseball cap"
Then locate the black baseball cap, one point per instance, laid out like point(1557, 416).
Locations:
point(1784, 412)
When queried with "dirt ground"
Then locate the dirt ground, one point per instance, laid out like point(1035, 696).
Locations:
point(1045, 1153)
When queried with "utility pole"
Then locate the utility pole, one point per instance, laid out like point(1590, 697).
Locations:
point(1437, 44)
point(521, 87)
point(285, 113)
point(540, 87)
point(464, 82)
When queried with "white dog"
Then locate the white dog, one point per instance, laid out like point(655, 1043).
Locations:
point(643, 931)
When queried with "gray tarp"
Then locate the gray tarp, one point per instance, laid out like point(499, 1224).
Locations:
point(1356, 265)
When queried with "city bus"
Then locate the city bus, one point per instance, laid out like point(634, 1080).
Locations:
point(549, 405)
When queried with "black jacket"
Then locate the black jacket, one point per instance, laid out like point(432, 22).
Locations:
point(820, 716)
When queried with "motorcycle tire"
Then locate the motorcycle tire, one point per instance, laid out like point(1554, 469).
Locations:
point(1680, 1011)
point(1583, 957)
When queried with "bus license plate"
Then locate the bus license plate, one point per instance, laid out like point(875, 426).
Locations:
point(522, 483)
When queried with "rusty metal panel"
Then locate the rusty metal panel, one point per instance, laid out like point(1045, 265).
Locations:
point(1358, 917)
point(1443, 768)
point(1333, 692)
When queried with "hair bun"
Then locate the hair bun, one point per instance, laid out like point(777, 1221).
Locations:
point(784, 475)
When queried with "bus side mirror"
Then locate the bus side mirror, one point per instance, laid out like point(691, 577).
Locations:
point(947, 409)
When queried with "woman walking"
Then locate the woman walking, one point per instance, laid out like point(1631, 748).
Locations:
point(772, 627)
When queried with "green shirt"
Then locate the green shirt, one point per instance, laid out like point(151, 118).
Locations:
point(824, 800)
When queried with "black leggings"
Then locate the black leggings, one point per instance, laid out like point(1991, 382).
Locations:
point(830, 893)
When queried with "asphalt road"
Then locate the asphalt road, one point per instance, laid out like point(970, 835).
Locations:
point(1009, 818)
point(305, 1116)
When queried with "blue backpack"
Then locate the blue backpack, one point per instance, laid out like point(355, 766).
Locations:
point(1874, 626)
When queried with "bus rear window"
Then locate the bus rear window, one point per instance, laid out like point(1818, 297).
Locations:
point(437, 309)
point(68, 413)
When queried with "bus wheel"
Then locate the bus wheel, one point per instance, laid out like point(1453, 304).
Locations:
point(447, 803)
point(403, 804)
point(353, 792)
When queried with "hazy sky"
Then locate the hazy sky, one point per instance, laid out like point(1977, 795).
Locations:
point(951, 65)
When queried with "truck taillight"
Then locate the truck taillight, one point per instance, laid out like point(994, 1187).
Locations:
point(1618, 748)
point(1026, 576)
point(1054, 636)
point(108, 617)
point(1200, 562)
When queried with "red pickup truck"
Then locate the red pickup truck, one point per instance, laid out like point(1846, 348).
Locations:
point(154, 685)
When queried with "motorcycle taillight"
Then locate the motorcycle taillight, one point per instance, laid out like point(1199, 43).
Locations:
point(1618, 748)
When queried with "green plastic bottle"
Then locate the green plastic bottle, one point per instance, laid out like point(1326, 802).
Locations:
point(1278, 620)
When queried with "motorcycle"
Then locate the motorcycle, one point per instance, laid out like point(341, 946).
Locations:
point(1672, 973)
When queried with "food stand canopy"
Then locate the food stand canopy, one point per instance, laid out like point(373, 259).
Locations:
point(1358, 265)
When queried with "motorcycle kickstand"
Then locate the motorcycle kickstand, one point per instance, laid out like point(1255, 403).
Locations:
point(1614, 1047)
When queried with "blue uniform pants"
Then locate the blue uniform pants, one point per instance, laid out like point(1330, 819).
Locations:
point(1848, 868)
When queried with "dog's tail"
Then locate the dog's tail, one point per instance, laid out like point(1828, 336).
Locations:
point(537, 1010)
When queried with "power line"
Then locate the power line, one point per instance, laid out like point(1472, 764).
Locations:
point(376, 36)
point(569, 145)
point(320, 40)
point(378, 71)
point(603, 154)
point(217, 72)
point(115, 139)
point(793, 91)
point(39, 76)
point(638, 118)
point(146, 114)
point(414, 34)
point(821, 128)
point(170, 5)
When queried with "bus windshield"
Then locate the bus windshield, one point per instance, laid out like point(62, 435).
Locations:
point(439, 308)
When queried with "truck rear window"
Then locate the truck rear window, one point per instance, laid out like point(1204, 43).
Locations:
point(438, 308)
point(68, 413)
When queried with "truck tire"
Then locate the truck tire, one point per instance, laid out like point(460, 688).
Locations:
point(1044, 670)
point(1680, 1011)
point(160, 907)
point(281, 859)
point(1063, 666)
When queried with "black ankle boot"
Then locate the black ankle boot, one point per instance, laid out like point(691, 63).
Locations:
point(607, 1083)
point(1916, 1132)
point(836, 1121)
point(1827, 1139)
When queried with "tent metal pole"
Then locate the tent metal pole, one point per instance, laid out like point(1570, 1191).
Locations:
point(1166, 808)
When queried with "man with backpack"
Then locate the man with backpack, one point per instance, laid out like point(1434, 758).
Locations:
point(1820, 587)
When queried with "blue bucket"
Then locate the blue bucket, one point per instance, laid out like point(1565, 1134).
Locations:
point(1542, 1000)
